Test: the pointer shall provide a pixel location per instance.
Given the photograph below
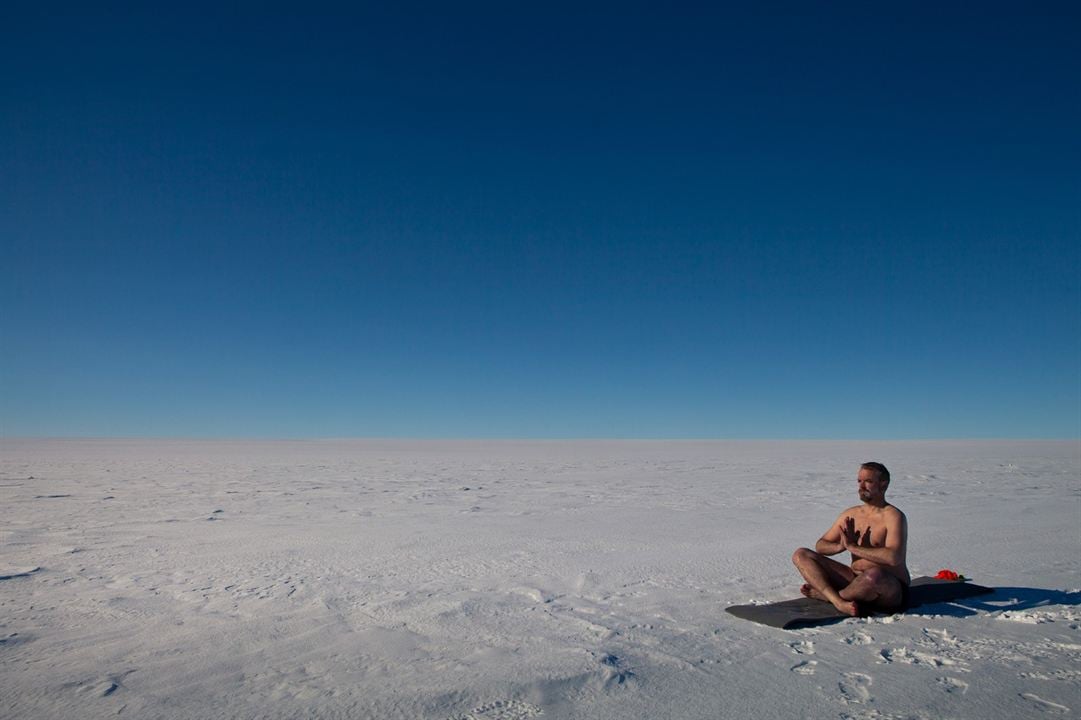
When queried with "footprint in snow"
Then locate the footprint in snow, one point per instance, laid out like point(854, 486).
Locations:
point(501, 710)
point(853, 687)
point(802, 647)
point(614, 671)
point(953, 685)
point(859, 638)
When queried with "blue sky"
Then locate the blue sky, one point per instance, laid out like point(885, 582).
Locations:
point(492, 220)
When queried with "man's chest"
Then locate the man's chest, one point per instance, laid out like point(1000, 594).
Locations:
point(872, 530)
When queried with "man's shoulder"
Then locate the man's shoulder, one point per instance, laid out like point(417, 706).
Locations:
point(894, 511)
point(888, 510)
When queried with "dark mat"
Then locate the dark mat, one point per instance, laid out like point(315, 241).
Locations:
point(803, 612)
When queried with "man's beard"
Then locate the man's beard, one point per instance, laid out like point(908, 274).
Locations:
point(865, 495)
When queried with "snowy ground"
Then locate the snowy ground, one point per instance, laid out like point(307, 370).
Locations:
point(484, 580)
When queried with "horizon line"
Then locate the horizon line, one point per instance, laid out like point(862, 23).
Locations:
point(478, 438)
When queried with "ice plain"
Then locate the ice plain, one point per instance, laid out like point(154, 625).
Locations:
point(488, 580)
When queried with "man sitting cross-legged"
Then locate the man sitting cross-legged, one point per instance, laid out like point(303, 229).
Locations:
point(876, 534)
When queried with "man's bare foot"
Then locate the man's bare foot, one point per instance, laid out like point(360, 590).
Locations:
point(849, 607)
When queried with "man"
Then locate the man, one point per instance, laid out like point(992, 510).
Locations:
point(876, 534)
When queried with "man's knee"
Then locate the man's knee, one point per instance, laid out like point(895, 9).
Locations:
point(875, 580)
point(803, 555)
point(873, 576)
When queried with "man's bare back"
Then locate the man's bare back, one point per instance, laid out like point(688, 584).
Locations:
point(875, 533)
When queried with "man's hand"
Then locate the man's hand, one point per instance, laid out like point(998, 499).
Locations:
point(850, 536)
point(844, 538)
point(848, 528)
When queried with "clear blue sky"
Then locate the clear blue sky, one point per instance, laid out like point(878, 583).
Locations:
point(794, 220)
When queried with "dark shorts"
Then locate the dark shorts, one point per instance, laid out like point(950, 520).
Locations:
point(900, 606)
point(903, 604)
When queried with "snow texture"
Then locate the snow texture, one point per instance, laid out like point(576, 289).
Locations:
point(502, 580)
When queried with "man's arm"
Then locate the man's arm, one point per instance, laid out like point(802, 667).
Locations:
point(830, 543)
point(892, 553)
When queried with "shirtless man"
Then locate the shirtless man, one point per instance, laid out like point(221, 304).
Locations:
point(878, 578)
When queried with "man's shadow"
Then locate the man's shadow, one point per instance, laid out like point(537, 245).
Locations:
point(1002, 598)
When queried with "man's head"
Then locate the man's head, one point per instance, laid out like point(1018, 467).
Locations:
point(873, 479)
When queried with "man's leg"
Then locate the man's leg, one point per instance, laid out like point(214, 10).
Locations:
point(874, 587)
point(826, 577)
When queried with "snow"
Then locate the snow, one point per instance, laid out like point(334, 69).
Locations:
point(519, 579)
